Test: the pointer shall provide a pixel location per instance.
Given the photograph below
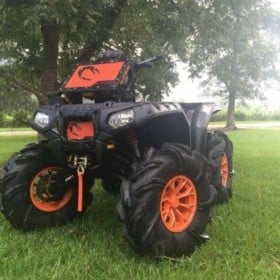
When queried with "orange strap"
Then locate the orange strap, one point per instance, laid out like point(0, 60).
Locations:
point(80, 173)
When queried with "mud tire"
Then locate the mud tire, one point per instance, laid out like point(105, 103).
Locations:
point(220, 146)
point(140, 202)
point(17, 205)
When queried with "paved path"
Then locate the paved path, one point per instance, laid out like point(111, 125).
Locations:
point(261, 125)
point(18, 132)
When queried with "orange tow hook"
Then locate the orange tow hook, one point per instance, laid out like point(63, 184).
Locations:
point(80, 173)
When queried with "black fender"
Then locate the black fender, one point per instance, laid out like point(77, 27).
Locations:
point(199, 115)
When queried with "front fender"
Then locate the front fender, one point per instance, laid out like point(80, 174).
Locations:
point(199, 115)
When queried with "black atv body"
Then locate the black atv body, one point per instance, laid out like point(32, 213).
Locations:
point(151, 125)
point(168, 169)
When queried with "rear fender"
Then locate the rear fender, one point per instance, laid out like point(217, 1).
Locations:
point(172, 127)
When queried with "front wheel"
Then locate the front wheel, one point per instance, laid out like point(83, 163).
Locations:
point(166, 207)
point(37, 192)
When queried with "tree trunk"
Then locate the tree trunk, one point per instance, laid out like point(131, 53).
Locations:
point(50, 34)
point(231, 111)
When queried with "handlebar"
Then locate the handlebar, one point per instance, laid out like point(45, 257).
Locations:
point(147, 62)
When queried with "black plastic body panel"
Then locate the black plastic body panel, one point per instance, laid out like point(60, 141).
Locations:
point(199, 115)
point(153, 124)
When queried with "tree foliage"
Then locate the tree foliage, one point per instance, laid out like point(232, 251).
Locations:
point(44, 39)
point(222, 40)
point(62, 33)
point(232, 48)
point(16, 105)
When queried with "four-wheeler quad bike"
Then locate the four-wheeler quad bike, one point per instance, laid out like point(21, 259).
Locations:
point(168, 169)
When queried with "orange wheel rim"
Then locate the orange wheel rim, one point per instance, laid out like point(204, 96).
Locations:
point(41, 201)
point(178, 203)
point(224, 170)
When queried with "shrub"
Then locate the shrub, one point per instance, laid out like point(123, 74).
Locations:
point(275, 116)
point(17, 119)
point(245, 114)
point(219, 117)
point(1, 119)
point(21, 119)
point(240, 115)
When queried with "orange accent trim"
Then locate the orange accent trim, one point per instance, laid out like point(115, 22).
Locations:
point(178, 203)
point(37, 182)
point(80, 190)
point(79, 130)
point(224, 170)
point(90, 74)
point(110, 146)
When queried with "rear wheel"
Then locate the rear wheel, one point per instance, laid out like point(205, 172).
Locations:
point(219, 155)
point(37, 192)
point(167, 205)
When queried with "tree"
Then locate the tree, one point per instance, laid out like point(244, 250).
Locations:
point(16, 105)
point(232, 48)
point(42, 40)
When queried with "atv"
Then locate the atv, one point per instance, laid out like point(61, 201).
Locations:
point(168, 169)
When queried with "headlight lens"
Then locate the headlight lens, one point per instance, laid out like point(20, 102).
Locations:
point(41, 119)
point(121, 118)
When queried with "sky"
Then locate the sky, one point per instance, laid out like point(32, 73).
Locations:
point(275, 4)
point(190, 91)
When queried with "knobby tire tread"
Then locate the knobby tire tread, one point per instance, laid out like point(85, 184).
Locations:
point(17, 206)
point(143, 227)
point(218, 145)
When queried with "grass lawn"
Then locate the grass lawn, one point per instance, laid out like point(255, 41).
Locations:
point(245, 233)
point(9, 145)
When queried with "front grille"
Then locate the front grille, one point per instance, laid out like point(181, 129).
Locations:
point(76, 130)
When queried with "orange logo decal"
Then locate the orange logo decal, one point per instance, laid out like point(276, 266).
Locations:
point(87, 72)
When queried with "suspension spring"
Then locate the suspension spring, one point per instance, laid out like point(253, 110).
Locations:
point(131, 137)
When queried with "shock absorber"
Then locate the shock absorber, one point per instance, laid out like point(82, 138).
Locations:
point(131, 138)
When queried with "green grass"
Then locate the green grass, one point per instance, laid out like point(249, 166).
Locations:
point(244, 234)
point(12, 144)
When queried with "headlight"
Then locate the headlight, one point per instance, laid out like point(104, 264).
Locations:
point(121, 118)
point(41, 119)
